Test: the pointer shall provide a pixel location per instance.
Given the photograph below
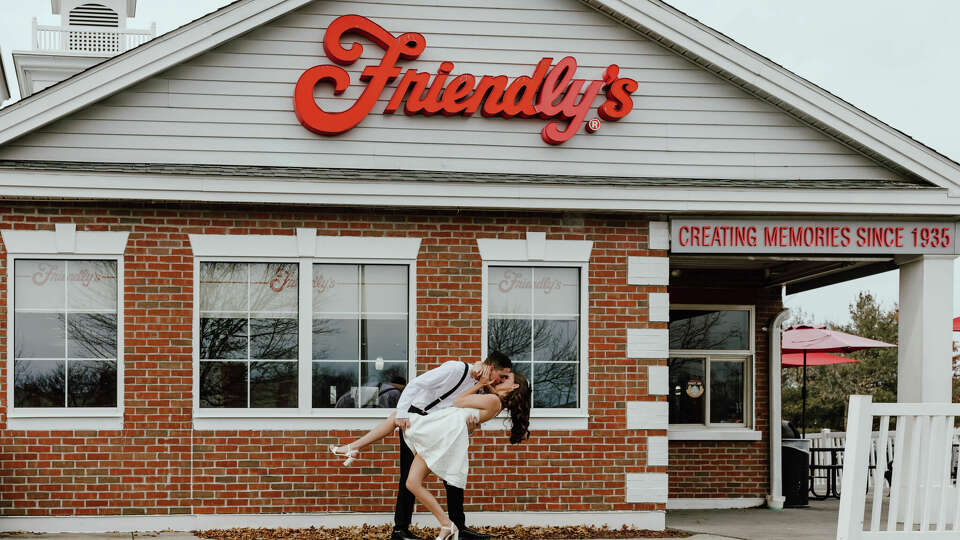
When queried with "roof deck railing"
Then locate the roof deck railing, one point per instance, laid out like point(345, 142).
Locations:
point(89, 39)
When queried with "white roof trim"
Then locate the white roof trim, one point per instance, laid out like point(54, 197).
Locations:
point(650, 17)
point(4, 88)
point(149, 59)
point(413, 194)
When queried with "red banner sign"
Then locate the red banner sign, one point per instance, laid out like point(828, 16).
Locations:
point(551, 92)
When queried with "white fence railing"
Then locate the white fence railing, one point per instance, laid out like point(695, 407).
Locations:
point(89, 39)
point(923, 501)
point(881, 455)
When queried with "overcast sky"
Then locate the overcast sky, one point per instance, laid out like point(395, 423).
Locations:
point(893, 59)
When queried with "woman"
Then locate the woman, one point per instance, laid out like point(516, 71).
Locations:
point(440, 439)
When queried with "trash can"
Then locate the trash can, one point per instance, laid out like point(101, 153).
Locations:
point(796, 467)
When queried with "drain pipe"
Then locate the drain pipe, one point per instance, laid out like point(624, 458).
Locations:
point(775, 498)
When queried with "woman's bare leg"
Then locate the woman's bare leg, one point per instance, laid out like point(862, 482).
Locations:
point(418, 472)
point(381, 430)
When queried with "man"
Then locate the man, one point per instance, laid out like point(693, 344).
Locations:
point(430, 392)
point(390, 392)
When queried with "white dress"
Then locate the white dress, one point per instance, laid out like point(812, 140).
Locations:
point(441, 439)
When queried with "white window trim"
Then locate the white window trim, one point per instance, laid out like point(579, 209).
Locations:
point(536, 251)
point(305, 249)
point(722, 432)
point(64, 243)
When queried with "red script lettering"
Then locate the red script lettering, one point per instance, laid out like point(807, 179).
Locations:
point(552, 92)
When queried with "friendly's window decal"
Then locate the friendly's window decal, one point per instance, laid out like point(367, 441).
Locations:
point(65, 337)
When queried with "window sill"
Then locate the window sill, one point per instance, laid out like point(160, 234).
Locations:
point(702, 433)
point(55, 422)
point(309, 423)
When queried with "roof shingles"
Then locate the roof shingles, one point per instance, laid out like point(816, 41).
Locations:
point(307, 174)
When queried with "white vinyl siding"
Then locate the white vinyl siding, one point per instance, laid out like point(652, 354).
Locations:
point(233, 105)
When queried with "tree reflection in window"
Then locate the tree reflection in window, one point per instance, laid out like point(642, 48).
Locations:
point(65, 333)
point(707, 330)
point(534, 318)
point(249, 335)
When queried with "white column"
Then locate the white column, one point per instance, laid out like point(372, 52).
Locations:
point(924, 371)
point(775, 498)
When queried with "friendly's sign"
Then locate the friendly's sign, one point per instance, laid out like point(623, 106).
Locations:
point(823, 237)
point(551, 92)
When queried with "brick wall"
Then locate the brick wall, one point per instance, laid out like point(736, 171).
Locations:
point(159, 465)
point(735, 469)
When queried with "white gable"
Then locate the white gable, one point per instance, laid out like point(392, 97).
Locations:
point(233, 105)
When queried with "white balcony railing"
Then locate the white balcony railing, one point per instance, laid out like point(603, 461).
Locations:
point(89, 39)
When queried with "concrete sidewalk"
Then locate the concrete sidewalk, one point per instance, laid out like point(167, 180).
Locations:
point(182, 536)
point(818, 522)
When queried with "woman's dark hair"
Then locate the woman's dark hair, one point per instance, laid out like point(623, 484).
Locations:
point(498, 360)
point(518, 403)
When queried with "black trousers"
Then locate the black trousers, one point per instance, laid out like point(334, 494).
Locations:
point(405, 500)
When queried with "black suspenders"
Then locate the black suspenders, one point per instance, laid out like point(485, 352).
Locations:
point(466, 369)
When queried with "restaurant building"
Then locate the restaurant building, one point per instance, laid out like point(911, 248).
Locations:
point(224, 245)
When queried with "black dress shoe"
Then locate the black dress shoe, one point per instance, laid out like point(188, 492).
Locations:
point(403, 534)
point(467, 533)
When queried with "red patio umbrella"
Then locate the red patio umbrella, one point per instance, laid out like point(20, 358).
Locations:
point(811, 339)
point(815, 359)
point(956, 324)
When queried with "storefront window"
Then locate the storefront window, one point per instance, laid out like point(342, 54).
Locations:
point(533, 316)
point(248, 335)
point(65, 333)
point(709, 330)
point(710, 354)
point(360, 333)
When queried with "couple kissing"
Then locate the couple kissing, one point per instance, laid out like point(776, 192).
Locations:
point(435, 414)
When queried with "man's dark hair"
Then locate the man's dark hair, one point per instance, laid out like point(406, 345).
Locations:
point(397, 379)
point(498, 360)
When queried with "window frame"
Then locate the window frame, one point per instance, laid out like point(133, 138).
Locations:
point(300, 249)
point(536, 252)
point(62, 244)
point(748, 356)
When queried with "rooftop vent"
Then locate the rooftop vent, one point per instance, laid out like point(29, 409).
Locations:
point(94, 15)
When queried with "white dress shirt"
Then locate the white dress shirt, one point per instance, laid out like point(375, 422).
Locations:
point(428, 387)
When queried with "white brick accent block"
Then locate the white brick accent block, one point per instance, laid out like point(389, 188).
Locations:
point(647, 342)
point(658, 383)
point(647, 414)
point(648, 270)
point(647, 487)
point(659, 235)
point(657, 451)
point(659, 306)
point(536, 245)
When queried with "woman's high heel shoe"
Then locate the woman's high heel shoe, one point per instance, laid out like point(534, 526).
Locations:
point(454, 532)
point(347, 452)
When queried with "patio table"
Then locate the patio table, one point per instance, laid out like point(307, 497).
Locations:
point(831, 469)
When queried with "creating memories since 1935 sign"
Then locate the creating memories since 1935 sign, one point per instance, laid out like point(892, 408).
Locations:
point(551, 92)
point(706, 235)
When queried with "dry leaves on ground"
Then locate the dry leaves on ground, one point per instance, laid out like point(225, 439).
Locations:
point(369, 532)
